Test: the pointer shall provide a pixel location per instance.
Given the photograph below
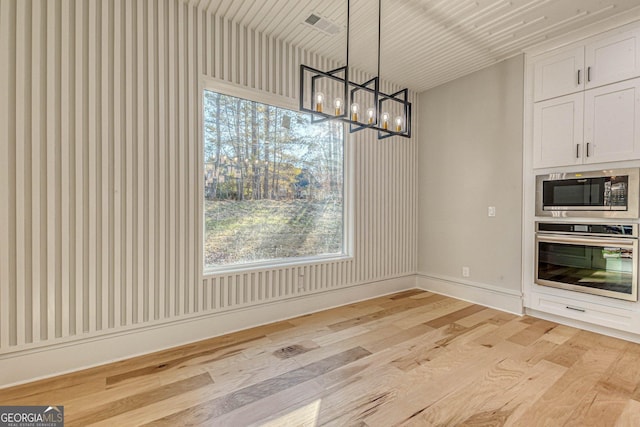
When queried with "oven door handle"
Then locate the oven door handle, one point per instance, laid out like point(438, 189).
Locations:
point(628, 243)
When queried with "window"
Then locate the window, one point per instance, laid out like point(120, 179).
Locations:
point(273, 183)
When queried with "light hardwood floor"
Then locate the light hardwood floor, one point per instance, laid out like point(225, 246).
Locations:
point(413, 358)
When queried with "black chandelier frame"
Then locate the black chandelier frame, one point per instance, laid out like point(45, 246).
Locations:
point(351, 88)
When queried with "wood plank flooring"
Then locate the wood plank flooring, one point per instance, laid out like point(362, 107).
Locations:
point(413, 358)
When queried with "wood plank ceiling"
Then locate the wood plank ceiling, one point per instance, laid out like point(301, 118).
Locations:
point(424, 42)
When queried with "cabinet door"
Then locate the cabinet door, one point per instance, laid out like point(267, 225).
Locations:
point(558, 73)
point(612, 58)
point(612, 116)
point(558, 131)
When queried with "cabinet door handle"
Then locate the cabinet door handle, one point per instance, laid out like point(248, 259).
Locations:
point(588, 74)
point(581, 310)
point(579, 77)
point(577, 151)
point(587, 149)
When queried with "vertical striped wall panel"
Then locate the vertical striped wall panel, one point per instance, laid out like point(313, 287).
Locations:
point(100, 220)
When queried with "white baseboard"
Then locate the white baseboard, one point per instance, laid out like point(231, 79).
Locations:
point(29, 365)
point(477, 293)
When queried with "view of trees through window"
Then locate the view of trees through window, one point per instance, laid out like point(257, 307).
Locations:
point(273, 183)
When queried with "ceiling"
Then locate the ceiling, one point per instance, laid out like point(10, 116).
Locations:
point(424, 42)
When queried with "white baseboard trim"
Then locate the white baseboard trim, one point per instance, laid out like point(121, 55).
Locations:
point(477, 293)
point(31, 365)
point(628, 336)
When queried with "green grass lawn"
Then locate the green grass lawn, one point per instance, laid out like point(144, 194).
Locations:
point(256, 230)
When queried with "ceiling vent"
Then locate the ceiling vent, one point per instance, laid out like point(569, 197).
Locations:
point(323, 24)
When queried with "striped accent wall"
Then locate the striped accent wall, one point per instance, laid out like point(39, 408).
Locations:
point(100, 160)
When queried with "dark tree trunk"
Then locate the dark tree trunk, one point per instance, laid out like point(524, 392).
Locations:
point(216, 169)
point(267, 126)
point(238, 149)
point(254, 152)
point(274, 176)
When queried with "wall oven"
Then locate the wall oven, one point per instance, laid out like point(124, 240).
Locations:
point(600, 259)
point(609, 193)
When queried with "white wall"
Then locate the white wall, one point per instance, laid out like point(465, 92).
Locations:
point(470, 158)
point(99, 182)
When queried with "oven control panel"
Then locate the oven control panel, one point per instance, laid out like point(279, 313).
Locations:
point(616, 230)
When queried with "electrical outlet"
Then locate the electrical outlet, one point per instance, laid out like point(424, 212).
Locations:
point(491, 211)
point(465, 271)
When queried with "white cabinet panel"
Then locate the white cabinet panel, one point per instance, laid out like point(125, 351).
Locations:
point(558, 131)
point(559, 73)
point(612, 115)
point(598, 314)
point(612, 58)
point(600, 60)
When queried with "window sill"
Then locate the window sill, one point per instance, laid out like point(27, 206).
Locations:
point(273, 265)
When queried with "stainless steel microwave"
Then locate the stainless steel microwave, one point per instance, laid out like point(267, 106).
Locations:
point(611, 193)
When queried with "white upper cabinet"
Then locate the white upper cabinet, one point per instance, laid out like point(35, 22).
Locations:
point(612, 122)
point(558, 131)
point(587, 101)
point(558, 73)
point(595, 126)
point(600, 60)
point(612, 58)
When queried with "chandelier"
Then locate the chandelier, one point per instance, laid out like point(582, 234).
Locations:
point(388, 114)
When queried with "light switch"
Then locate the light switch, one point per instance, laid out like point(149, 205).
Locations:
point(491, 211)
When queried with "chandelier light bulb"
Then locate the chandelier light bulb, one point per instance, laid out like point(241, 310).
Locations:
point(338, 104)
point(319, 101)
point(399, 122)
point(385, 120)
point(371, 115)
point(355, 109)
